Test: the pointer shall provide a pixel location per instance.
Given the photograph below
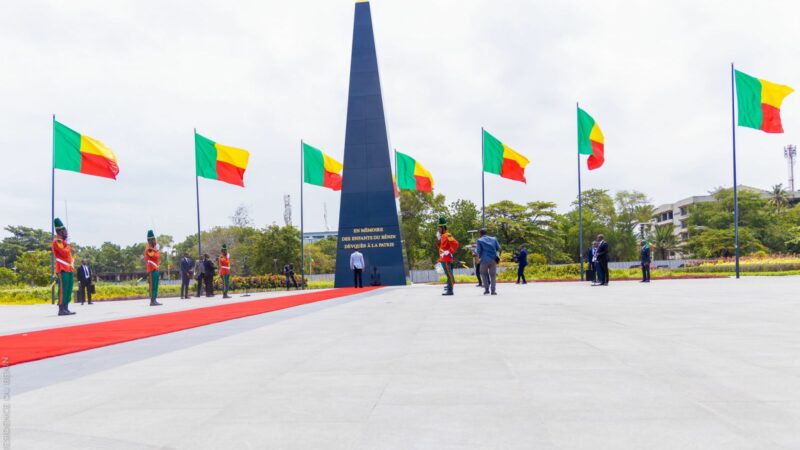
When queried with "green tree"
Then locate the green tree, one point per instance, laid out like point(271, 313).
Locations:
point(598, 217)
point(760, 227)
point(463, 222)
point(22, 239)
point(7, 277)
point(275, 247)
point(779, 197)
point(419, 215)
point(324, 254)
point(664, 239)
point(33, 267)
point(631, 209)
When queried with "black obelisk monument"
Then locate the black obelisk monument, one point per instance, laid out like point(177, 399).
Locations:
point(368, 219)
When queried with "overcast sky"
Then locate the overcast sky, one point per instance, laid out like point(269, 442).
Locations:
point(261, 75)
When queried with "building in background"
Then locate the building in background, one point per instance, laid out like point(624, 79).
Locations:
point(678, 213)
point(311, 237)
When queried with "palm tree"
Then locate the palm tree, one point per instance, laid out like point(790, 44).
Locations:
point(664, 239)
point(779, 197)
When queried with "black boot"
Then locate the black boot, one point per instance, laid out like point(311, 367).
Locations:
point(154, 303)
point(64, 311)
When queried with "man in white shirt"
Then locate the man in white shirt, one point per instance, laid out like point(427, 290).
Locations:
point(357, 266)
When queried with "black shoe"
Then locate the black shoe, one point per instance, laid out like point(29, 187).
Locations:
point(226, 296)
point(63, 311)
point(494, 293)
point(524, 282)
point(154, 303)
point(448, 293)
point(91, 303)
point(485, 292)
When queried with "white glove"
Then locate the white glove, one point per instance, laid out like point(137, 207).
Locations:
point(446, 252)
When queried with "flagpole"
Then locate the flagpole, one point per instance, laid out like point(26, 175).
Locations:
point(580, 199)
point(302, 240)
point(53, 212)
point(735, 189)
point(483, 180)
point(197, 195)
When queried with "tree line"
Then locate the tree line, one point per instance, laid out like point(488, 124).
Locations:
point(767, 225)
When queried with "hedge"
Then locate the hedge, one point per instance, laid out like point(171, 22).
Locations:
point(108, 291)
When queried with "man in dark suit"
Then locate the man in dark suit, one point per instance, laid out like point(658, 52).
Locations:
point(84, 282)
point(187, 267)
point(209, 270)
point(602, 259)
point(522, 263)
point(644, 253)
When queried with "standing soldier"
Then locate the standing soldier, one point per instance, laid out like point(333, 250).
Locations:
point(225, 270)
point(151, 259)
point(62, 253)
point(447, 247)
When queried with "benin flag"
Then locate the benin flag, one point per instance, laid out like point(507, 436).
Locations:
point(80, 153)
point(590, 140)
point(320, 169)
point(411, 175)
point(500, 159)
point(220, 162)
point(760, 103)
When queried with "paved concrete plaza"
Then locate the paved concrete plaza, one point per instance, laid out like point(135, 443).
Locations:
point(703, 364)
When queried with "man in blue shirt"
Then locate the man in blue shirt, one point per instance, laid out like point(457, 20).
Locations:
point(644, 254)
point(488, 249)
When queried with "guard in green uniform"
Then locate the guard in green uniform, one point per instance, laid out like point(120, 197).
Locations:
point(152, 258)
point(62, 254)
point(225, 270)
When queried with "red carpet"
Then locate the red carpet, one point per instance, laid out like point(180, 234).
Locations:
point(36, 345)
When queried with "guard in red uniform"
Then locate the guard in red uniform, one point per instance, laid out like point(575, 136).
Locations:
point(225, 270)
point(62, 253)
point(447, 248)
point(151, 258)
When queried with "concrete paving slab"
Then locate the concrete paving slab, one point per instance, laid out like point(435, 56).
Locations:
point(706, 364)
point(20, 318)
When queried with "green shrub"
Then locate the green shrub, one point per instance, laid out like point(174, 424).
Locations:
point(133, 290)
point(8, 277)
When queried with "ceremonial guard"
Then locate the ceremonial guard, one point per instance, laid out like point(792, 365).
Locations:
point(225, 270)
point(447, 247)
point(62, 253)
point(151, 259)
